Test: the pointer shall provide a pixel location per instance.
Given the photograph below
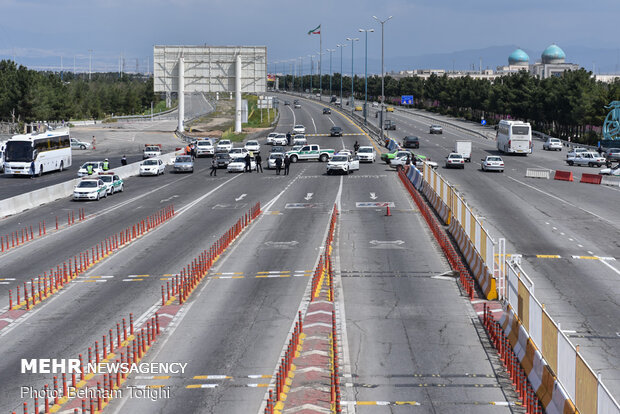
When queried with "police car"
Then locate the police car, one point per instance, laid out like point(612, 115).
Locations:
point(90, 189)
point(113, 183)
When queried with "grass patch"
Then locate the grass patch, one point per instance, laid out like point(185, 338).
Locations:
point(254, 117)
point(230, 134)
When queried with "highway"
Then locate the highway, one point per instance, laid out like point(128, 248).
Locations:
point(113, 140)
point(574, 225)
point(406, 322)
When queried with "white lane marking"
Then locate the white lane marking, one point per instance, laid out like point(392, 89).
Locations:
point(241, 197)
point(373, 196)
point(308, 196)
point(580, 245)
point(294, 118)
point(315, 130)
point(168, 199)
point(562, 201)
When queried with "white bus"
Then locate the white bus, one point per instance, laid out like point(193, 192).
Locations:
point(514, 137)
point(49, 151)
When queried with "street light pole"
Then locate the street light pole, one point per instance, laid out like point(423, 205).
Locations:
point(366, 74)
point(330, 71)
point(301, 73)
point(341, 49)
point(352, 73)
point(382, 74)
point(90, 63)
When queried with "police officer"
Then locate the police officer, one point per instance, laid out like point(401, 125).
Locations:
point(278, 165)
point(259, 161)
point(213, 167)
point(356, 146)
point(288, 138)
point(248, 163)
point(124, 160)
point(106, 165)
point(287, 163)
point(89, 169)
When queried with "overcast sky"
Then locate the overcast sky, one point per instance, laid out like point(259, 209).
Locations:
point(41, 31)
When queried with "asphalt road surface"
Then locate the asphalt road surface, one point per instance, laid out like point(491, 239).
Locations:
point(406, 322)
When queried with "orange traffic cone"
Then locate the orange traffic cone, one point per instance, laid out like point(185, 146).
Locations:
point(387, 213)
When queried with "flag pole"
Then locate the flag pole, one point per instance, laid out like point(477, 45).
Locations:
point(321, 63)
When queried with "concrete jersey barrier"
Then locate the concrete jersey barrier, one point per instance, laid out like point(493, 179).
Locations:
point(33, 199)
point(538, 173)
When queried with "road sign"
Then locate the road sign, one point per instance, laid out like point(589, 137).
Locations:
point(406, 100)
point(483, 122)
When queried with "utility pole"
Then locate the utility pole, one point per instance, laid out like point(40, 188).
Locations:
point(330, 71)
point(90, 63)
point(382, 75)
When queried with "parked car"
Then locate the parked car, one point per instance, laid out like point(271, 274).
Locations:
point(204, 147)
point(183, 163)
point(611, 171)
point(270, 137)
point(591, 159)
point(367, 153)
point(492, 163)
point(435, 129)
point(299, 129)
point(279, 139)
point(411, 142)
point(238, 165)
point(554, 144)
point(90, 189)
point(252, 146)
point(238, 152)
point(612, 155)
point(222, 159)
point(112, 182)
point(343, 163)
point(300, 139)
point(271, 161)
point(225, 144)
point(455, 160)
point(575, 151)
point(277, 148)
point(335, 131)
point(97, 168)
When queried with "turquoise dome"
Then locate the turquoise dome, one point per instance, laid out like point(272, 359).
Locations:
point(553, 54)
point(518, 57)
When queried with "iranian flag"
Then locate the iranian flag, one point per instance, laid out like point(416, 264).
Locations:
point(316, 30)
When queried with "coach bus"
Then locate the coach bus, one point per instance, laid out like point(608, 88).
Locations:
point(514, 137)
point(50, 151)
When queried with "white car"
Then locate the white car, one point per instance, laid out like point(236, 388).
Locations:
point(553, 144)
point(204, 147)
point(343, 163)
point(367, 153)
point(253, 146)
point(299, 129)
point(345, 151)
point(270, 137)
point(97, 168)
point(300, 139)
point(279, 139)
point(152, 166)
point(112, 182)
point(238, 165)
point(455, 160)
point(237, 152)
point(151, 151)
point(90, 189)
point(575, 151)
point(611, 171)
point(492, 163)
point(77, 144)
point(224, 144)
point(271, 161)
point(591, 159)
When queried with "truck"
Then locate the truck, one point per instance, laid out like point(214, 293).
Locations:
point(389, 124)
point(463, 148)
point(151, 151)
point(310, 152)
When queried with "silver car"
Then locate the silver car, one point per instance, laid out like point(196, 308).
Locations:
point(492, 163)
point(553, 144)
point(183, 163)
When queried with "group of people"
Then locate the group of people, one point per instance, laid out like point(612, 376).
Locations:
point(286, 162)
point(190, 149)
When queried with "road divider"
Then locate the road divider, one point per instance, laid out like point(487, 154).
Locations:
point(12, 239)
point(610, 180)
point(591, 178)
point(304, 371)
point(563, 175)
point(181, 286)
point(47, 285)
point(538, 173)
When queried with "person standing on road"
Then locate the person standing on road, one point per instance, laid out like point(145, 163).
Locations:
point(32, 169)
point(278, 165)
point(259, 161)
point(248, 163)
point(288, 138)
point(124, 160)
point(356, 146)
point(287, 163)
point(106, 165)
point(213, 167)
point(89, 169)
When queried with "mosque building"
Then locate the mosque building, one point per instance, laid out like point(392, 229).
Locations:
point(552, 63)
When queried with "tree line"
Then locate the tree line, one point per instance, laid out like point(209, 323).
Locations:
point(571, 105)
point(27, 95)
